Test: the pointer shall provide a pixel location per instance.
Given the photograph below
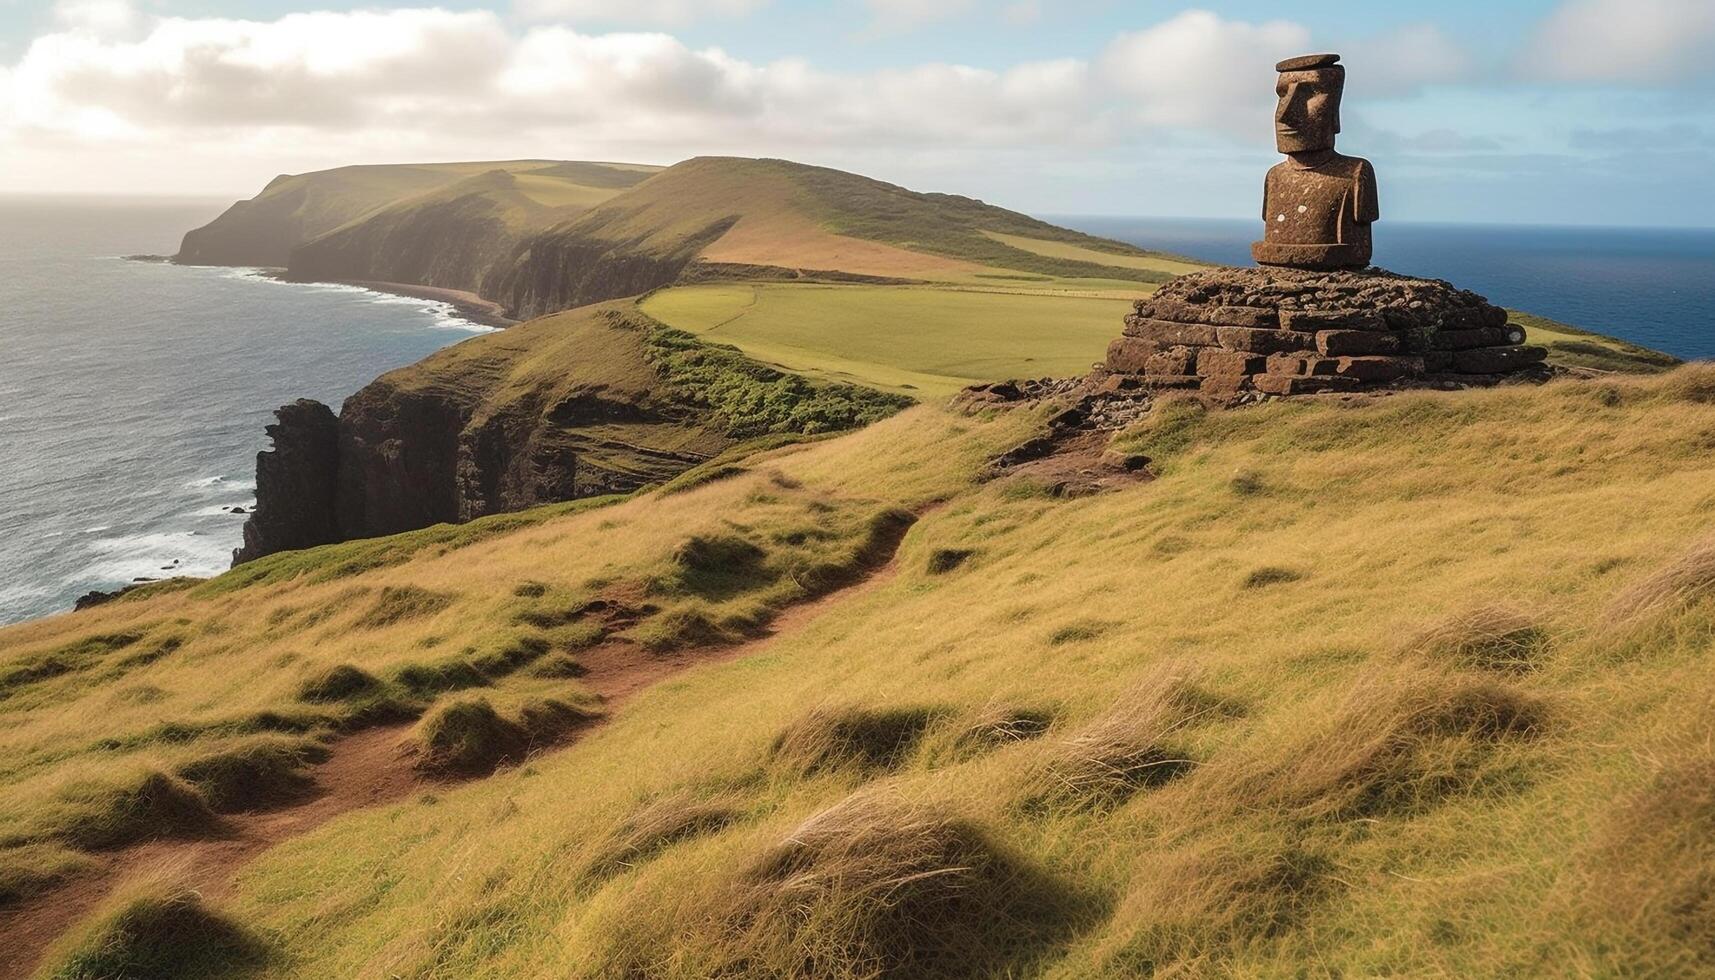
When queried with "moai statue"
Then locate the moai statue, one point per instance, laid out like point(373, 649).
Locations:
point(1319, 204)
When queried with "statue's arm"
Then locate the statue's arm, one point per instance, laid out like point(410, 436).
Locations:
point(1366, 207)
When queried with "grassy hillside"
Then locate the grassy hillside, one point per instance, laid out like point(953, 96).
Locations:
point(1415, 685)
point(924, 341)
point(740, 218)
point(296, 208)
point(452, 236)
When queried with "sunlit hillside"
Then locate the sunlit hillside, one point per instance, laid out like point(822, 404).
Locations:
point(1403, 685)
point(298, 208)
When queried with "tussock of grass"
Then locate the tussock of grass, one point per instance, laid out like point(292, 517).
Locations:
point(999, 724)
point(1694, 383)
point(508, 655)
point(257, 775)
point(1268, 575)
point(466, 737)
point(1488, 638)
point(679, 628)
point(1081, 631)
point(469, 737)
point(831, 737)
point(396, 604)
point(341, 682)
point(872, 887)
point(996, 725)
point(156, 931)
point(1131, 748)
point(881, 535)
point(559, 666)
point(427, 680)
point(944, 560)
point(1189, 909)
point(178, 732)
point(68, 659)
point(1687, 579)
point(720, 566)
point(101, 815)
point(656, 826)
point(1401, 741)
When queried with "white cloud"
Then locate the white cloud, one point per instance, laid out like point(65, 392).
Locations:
point(1624, 41)
point(1403, 61)
point(314, 70)
point(662, 13)
point(1200, 70)
point(96, 16)
point(434, 71)
point(320, 89)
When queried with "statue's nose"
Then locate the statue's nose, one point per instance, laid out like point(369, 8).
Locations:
point(1288, 110)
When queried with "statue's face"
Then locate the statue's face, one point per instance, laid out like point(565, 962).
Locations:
point(1308, 115)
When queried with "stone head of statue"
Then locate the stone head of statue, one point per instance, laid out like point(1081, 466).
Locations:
point(1307, 117)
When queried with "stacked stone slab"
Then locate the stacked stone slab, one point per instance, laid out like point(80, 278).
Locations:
point(1290, 332)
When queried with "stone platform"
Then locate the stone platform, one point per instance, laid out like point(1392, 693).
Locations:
point(1226, 332)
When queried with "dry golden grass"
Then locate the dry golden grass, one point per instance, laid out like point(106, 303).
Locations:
point(874, 886)
point(792, 241)
point(1688, 579)
point(155, 929)
point(1133, 747)
point(1370, 795)
point(1488, 637)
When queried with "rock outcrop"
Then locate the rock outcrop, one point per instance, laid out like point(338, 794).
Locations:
point(404, 454)
point(1226, 332)
point(295, 483)
point(587, 403)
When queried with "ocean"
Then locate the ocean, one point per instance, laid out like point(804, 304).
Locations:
point(1654, 287)
point(133, 395)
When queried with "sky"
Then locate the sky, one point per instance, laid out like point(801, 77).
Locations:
point(1583, 112)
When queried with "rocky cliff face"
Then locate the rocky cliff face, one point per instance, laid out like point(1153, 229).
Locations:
point(558, 409)
point(259, 232)
point(295, 483)
point(595, 401)
point(581, 263)
point(398, 460)
point(450, 245)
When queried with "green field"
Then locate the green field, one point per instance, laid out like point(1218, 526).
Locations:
point(919, 340)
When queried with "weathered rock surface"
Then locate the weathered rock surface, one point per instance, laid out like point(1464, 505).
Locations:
point(295, 483)
point(1290, 331)
point(440, 443)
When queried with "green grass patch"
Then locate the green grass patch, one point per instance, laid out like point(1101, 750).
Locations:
point(922, 341)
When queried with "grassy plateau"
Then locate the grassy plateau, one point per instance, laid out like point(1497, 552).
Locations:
point(1416, 685)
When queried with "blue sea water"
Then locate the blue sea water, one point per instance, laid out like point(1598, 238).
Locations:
point(133, 396)
point(1654, 287)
